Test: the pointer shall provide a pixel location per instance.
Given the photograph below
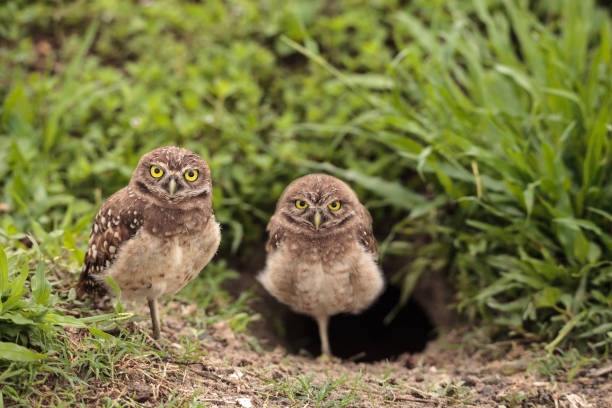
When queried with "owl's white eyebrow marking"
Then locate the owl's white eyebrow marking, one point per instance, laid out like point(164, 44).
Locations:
point(184, 169)
point(318, 196)
point(326, 195)
point(310, 195)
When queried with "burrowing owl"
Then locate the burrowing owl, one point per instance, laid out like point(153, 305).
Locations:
point(322, 257)
point(157, 233)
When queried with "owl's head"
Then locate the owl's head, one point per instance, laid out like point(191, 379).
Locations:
point(173, 176)
point(319, 204)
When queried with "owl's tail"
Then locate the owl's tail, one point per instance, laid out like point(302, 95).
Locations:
point(89, 287)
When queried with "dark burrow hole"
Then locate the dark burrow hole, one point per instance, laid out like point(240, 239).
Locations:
point(364, 337)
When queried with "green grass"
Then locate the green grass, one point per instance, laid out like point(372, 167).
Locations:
point(48, 337)
point(52, 342)
point(477, 133)
point(513, 127)
point(127, 78)
point(302, 390)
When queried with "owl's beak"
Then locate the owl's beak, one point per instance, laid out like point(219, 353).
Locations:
point(172, 187)
point(317, 220)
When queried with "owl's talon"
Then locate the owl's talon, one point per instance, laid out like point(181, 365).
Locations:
point(324, 358)
point(328, 358)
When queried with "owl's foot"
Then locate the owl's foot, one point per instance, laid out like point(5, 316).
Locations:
point(324, 358)
point(328, 358)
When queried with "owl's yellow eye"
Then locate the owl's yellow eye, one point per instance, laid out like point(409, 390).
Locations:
point(191, 175)
point(334, 205)
point(301, 204)
point(156, 172)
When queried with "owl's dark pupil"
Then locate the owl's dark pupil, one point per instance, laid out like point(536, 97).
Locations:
point(156, 170)
point(190, 174)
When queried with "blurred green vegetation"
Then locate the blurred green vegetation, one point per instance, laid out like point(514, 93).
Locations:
point(477, 132)
point(88, 87)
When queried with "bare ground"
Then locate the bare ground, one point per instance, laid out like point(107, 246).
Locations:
point(233, 370)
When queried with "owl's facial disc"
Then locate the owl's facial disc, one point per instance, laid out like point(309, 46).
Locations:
point(173, 185)
point(173, 177)
point(318, 214)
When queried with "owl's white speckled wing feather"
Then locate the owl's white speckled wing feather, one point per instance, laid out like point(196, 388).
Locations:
point(118, 220)
point(275, 235)
point(365, 235)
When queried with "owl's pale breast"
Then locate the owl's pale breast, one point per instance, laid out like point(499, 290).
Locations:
point(152, 266)
point(323, 279)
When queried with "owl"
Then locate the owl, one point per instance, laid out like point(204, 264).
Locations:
point(156, 234)
point(321, 254)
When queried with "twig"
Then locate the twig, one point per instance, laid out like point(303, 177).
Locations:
point(216, 401)
point(210, 376)
point(356, 356)
point(601, 371)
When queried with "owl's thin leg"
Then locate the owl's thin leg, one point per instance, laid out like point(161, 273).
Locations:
point(323, 321)
point(154, 318)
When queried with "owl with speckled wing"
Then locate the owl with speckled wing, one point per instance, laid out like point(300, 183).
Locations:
point(321, 253)
point(156, 234)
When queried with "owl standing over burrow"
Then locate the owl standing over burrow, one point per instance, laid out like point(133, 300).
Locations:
point(321, 253)
point(154, 235)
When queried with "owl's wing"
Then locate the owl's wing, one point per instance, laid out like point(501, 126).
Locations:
point(117, 221)
point(276, 234)
point(365, 236)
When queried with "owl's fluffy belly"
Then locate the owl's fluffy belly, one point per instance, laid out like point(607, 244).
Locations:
point(350, 283)
point(151, 266)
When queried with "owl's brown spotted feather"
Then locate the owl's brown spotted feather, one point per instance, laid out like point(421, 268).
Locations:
point(117, 221)
point(275, 236)
point(365, 236)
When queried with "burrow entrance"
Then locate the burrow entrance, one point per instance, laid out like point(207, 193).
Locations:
point(364, 337)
